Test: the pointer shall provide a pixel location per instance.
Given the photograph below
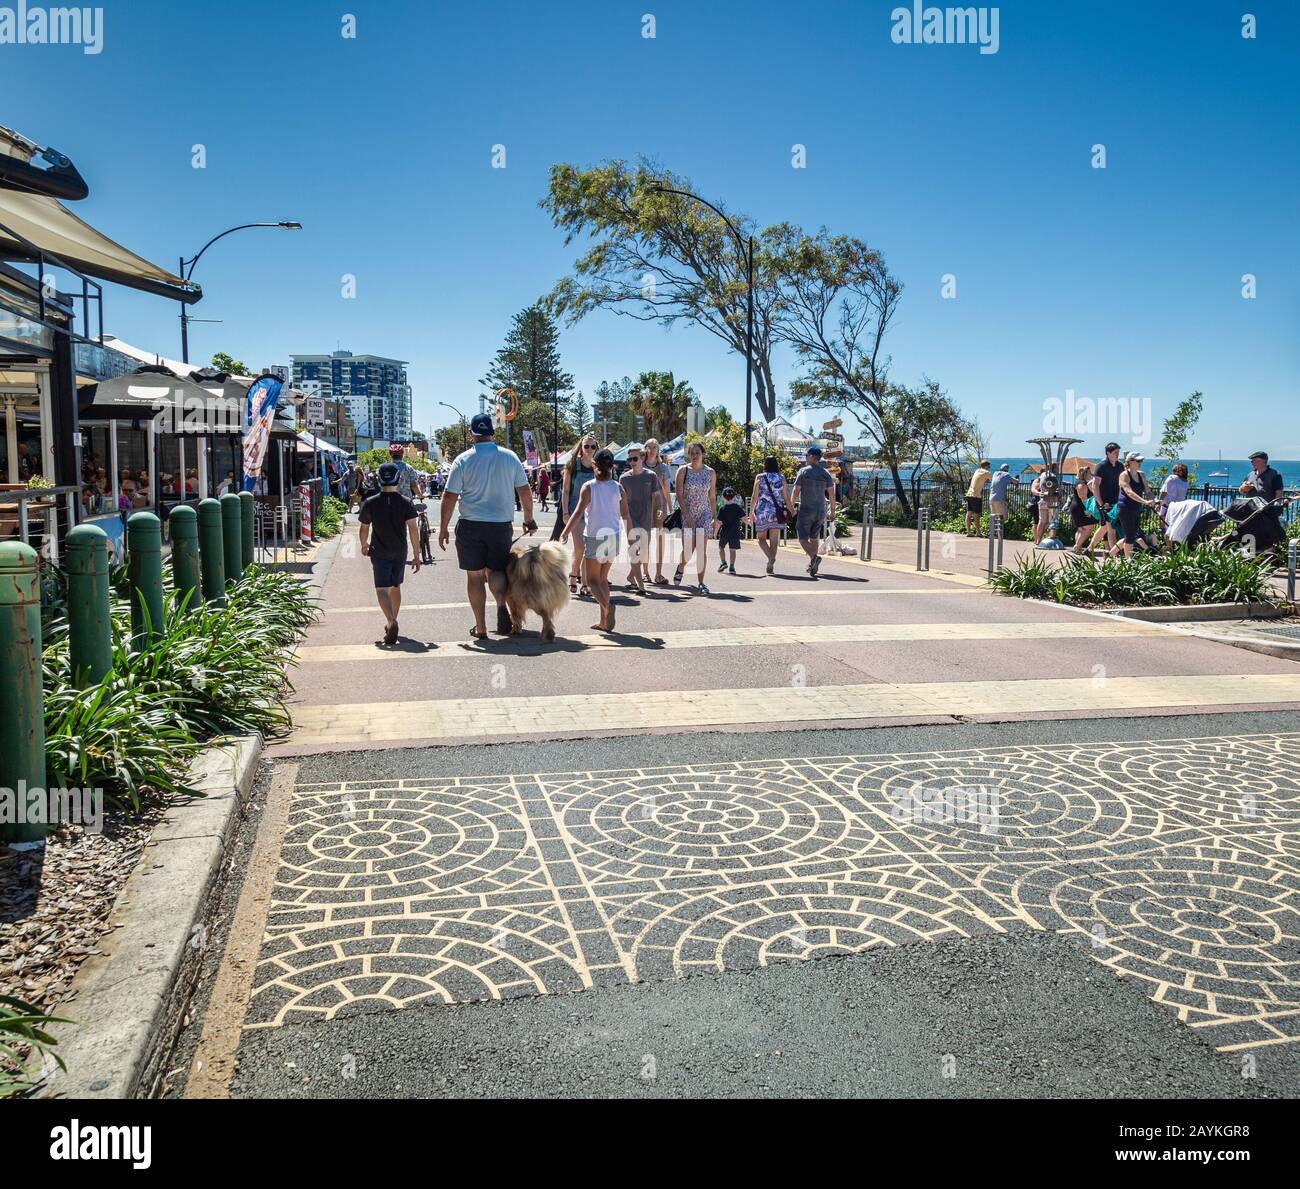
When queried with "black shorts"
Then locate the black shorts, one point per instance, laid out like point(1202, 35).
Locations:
point(387, 573)
point(729, 538)
point(483, 544)
point(975, 503)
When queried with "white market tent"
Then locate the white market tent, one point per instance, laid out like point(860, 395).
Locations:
point(786, 435)
point(309, 441)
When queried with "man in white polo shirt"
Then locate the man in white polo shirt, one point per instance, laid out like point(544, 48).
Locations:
point(485, 481)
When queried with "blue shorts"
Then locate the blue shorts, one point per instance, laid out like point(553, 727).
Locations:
point(387, 573)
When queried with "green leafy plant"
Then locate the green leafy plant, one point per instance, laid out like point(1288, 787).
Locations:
point(1183, 577)
point(329, 518)
point(22, 1034)
point(213, 670)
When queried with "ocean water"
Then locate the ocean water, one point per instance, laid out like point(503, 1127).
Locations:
point(1199, 468)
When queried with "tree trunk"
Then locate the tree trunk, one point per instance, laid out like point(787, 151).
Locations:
point(903, 501)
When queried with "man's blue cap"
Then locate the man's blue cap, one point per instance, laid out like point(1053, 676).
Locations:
point(815, 451)
point(388, 473)
point(480, 425)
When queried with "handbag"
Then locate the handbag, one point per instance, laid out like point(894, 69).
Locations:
point(674, 519)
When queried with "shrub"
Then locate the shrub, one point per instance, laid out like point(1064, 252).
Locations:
point(214, 670)
point(22, 1034)
point(1184, 577)
point(329, 517)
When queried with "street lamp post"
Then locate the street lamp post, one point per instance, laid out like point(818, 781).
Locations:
point(187, 272)
point(746, 255)
point(464, 425)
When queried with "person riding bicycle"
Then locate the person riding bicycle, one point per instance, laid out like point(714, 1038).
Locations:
point(408, 478)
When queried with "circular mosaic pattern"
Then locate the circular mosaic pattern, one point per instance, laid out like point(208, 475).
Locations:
point(1215, 938)
point(487, 954)
point(972, 802)
point(409, 838)
point(1208, 781)
point(789, 921)
point(699, 822)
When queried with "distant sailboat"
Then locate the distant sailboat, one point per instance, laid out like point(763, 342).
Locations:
point(1219, 474)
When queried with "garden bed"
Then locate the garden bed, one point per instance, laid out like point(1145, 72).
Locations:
point(215, 671)
point(1204, 576)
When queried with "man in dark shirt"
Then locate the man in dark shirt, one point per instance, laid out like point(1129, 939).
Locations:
point(1264, 480)
point(1105, 489)
point(388, 521)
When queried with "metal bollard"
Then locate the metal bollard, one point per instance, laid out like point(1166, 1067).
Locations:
point(144, 539)
point(246, 515)
point(232, 533)
point(923, 538)
point(212, 551)
point(1002, 536)
point(184, 522)
point(90, 624)
point(993, 535)
point(22, 698)
point(1290, 568)
point(927, 538)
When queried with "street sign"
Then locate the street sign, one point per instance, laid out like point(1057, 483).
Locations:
point(315, 410)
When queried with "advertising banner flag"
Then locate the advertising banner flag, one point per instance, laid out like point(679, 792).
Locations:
point(263, 400)
point(530, 448)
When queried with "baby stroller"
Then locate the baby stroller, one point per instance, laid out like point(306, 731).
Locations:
point(1190, 522)
point(1257, 524)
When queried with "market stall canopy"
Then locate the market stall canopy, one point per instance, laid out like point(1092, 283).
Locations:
point(178, 405)
point(52, 228)
point(621, 455)
point(309, 441)
point(785, 434)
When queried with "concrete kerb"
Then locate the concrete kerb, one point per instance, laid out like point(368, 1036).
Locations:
point(130, 999)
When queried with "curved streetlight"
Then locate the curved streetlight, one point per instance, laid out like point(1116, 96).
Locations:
point(187, 272)
point(748, 257)
point(464, 422)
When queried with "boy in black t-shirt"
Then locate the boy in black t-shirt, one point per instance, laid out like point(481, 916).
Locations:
point(727, 525)
point(388, 521)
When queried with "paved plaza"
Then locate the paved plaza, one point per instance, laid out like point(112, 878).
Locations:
point(870, 785)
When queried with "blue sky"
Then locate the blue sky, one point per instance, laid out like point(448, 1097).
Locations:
point(1123, 282)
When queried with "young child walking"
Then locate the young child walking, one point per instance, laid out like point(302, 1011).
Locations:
point(727, 527)
point(602, 511)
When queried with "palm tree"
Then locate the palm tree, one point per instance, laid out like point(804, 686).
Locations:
point(663, 402)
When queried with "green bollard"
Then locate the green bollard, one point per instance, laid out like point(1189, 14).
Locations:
point(212, 551)
point(22, 698)
point(184, 522)
point(90, 626)
point(246, 524)
point(144, 542)
point(232, 533)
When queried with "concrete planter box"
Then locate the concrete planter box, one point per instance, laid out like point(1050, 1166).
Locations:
point(1200, 612)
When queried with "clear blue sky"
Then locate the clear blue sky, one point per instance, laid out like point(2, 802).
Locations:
point(1116, 283)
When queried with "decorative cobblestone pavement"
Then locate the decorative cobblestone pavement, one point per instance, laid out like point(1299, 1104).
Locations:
point(1178, 860)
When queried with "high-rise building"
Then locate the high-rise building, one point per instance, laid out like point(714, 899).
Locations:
point(374, 389)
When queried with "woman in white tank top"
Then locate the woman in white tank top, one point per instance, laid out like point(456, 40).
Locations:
point(602, 511)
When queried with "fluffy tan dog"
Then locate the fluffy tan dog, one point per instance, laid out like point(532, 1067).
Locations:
point(537, 579)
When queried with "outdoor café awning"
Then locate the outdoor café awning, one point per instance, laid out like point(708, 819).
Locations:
point(180, 406)
point(54, 229)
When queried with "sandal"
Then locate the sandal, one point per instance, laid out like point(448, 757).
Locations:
point(677, 577)
point(573, 583)
point(475, 634)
